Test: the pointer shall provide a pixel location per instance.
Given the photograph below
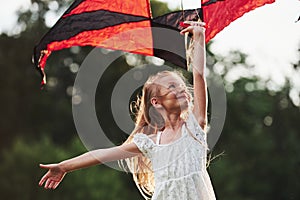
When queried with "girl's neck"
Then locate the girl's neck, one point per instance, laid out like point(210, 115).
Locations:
point(173, 122)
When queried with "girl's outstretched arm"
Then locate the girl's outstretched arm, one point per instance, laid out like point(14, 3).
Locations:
point(199, 66)
point(56, 172)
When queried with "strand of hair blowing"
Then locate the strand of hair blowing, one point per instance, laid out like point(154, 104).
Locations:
point(148, 121)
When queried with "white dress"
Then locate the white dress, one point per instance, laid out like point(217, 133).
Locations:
point(179, 167)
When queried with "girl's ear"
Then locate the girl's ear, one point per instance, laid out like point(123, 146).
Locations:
point(155, 103)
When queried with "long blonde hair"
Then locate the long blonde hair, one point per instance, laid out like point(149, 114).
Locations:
point(148, 121)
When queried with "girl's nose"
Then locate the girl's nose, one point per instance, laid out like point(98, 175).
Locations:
point(182, 88)
point(180, 91)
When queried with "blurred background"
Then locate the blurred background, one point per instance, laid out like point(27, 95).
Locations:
point(259, 145)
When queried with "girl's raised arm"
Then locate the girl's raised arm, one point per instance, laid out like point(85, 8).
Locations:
point(199, 66)
point(56, 172)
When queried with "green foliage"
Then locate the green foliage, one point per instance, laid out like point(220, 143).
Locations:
point(259, 139)
point(159, 8)
point(20, 174)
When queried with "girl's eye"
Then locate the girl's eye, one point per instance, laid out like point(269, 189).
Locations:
point(172, 86)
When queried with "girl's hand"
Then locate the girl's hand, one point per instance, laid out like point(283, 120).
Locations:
point(195, 28)
point(53, 177)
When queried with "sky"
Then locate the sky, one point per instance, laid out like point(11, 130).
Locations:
point(268, 35)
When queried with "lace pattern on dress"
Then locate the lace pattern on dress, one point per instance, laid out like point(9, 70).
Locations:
point(144, 143)
point(195, 130)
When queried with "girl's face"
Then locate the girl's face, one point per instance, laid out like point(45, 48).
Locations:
point(173, 94)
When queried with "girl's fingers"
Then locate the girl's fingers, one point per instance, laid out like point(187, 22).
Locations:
point(198, 24)
point(55, 185)
point(47, 184)
point(192, 29)
point(188, 29)
point(46, 166)
point(51, 185)
point(194, 23)
point(43, 179)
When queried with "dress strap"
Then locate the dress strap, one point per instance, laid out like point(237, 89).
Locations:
point(158, 137)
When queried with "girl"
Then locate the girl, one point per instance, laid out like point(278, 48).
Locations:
point(166, 152)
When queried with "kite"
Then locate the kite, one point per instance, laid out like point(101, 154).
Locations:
point(92, 22)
